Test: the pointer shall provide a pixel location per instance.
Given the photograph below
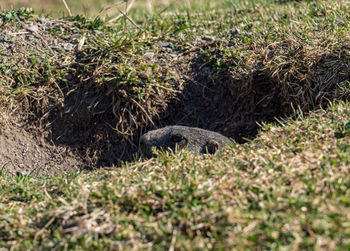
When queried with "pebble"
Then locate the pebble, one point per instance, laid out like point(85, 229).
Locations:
point(33, 28)
point(68, 46)
point(208, 38)
point(165, 44)
point(149, 55)
point(74, 36)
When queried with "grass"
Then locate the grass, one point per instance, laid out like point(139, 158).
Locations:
point(286, 189)
point(94, 7)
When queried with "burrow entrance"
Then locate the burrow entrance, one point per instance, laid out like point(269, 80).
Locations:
point(94, 134)
point(93, 123)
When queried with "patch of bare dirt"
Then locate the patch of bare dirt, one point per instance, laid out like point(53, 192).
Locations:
point(22, 153)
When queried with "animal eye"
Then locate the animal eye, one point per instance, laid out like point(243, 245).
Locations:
point(177, 138)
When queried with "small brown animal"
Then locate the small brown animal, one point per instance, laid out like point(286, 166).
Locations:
point(194, 139)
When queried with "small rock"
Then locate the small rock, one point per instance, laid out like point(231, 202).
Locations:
point(74, 36)
point(33, 28)
point(149, 55)
point(208, 38)
point(68, 46)
point(165, 44)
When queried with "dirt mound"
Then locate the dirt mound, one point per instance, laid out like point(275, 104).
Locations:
point(85, 97)
point(94, 101)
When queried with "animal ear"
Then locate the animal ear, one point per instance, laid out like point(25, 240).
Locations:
point(212, 146)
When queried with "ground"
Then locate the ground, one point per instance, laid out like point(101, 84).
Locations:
point(77, 93)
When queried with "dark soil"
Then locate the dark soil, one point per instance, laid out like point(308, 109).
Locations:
point(212, 99)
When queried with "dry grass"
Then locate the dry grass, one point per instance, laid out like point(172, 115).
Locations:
point(286, 189)
point(93, 7)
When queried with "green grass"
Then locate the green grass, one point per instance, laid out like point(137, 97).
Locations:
point(286, 189)
point(94, 7)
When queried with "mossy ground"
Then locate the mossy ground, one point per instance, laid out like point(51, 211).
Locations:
point(287, 188)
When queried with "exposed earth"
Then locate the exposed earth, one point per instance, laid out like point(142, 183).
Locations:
point(57, 129)
point(22, 153)
point(73, 101)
